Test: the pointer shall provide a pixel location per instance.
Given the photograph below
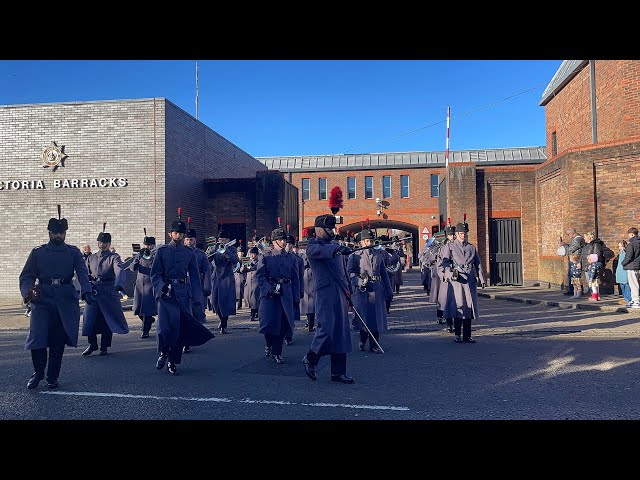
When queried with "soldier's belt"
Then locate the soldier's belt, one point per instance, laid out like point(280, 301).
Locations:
point(176, 280)
point(466, 268)
point(280, 280)
point(56, 281)
point(102, 279)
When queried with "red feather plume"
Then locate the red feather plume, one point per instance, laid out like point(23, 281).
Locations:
point(305, 230)
point(335, 199)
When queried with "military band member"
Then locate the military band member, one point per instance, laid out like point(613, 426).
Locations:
point(239, 278)
point(461, 265)
point(291, 242)
point(108, 278)
point(370, 287)
point(55, 315)
point(279, 285)
point(333, 334)
point(251, 283)
point(144, 302)
point(176, 286)
point(306, 302)
point(397, 280)
point(425, 268)
point(223, 291)
point(204, 267)
point(440, 289)
point(391, 258)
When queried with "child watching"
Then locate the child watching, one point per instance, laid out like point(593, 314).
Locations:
point(575, 271)
point(593, 275)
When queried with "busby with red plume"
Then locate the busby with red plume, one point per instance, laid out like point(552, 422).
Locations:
point(335, 199)
point(103, 236)
point(191, 232)
point(58, 225)
point(178, 225)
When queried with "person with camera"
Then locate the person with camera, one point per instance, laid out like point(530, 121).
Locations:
point(223, 284)
point(176, 285)
point(45, 283)
point(144, 302)
point(461, 268)
point(331, 287)
point(108, 278)
point(370, 287)
point(279, 286)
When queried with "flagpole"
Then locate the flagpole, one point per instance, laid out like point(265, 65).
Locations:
point(196, 90)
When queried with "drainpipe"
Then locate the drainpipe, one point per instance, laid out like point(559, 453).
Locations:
point(594, 117)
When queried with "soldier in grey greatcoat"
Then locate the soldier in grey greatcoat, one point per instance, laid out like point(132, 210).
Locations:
point(45, 283)
point(391, 258)
point(461, 266)
point(331, 287)
point(204, 267)
point(370, 287)
point(223, 285)
point(440, 289)
point(402, 257)
point(306, 302)
point(177, 288)
point(251, 283)
point(144, 302)
point(108, 278)
point(289, 248)
point(279, 286)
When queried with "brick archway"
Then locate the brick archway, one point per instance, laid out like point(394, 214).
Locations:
point(413, 230)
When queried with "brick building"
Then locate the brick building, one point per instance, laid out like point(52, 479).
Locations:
point(518, 201)
point(131, 164)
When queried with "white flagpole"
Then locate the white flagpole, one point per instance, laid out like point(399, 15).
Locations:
point(446, 153)
point(196, 90)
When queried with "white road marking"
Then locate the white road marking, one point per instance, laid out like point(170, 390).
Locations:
point(228, 400)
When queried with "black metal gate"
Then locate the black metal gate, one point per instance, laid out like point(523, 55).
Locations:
point(505, 251)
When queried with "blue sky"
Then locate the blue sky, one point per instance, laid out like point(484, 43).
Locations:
point(315, 107)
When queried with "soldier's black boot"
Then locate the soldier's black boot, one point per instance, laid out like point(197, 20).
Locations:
point(310, 360)
point(457, 328)
point(311, 319)
point(373, 348)
point(466, 331)
point(363, 339)
point(89, 350)
point(39, 359)
point(254, 315)
point(450, 325)
point(162, 360)
point(239, 307)
point(35, 380)
point(388, 302)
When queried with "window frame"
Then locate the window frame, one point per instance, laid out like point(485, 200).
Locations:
point(320, 189)
point(355, 188)
point(372, 188)
point(308, 180)
point(383, 187)
point(436, 186)
point(408, 186)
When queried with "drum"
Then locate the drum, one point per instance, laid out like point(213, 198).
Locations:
point(562, 251)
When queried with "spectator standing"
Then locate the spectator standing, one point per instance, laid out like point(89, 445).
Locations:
point(622, 279)
point(631, 264)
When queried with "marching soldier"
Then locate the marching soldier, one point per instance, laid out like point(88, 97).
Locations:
point(461, 265)
point(104, 317)
point(239, 279)
point(223, 291)
point(144, 302)
point(370, 287)
point(251, 283)
point(45, 283)
point(332, 336)
point(177, 287)
point(397, 246)
point(291, 242)
point(204, 267)
point(440, 289)
point(391, 257)
point(425, 268)
point(279, 285)
point(306, 302)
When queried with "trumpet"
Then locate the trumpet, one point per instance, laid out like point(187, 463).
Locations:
point(244, 262)
point(219, 248)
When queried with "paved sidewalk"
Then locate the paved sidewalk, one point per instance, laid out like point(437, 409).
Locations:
point(410, 310)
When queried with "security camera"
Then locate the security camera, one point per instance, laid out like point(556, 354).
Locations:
point(377, 200)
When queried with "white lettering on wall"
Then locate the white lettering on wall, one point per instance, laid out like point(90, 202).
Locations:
point(115, 182)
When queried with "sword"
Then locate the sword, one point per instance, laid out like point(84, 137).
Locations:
point(363, 322)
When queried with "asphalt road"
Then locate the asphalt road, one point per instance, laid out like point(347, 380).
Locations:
point(531, 362)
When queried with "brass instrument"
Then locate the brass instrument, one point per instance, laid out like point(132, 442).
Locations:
point(244, 261)
point(218, 248)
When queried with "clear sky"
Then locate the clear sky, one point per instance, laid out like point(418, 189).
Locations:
point(315, 107)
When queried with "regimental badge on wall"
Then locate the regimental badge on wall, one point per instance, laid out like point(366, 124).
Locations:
point(53, 156)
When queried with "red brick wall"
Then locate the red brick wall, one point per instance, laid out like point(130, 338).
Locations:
point(416, 210)
point(617, 101)
point(462, 198)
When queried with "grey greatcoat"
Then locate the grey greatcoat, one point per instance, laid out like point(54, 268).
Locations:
point(439, 290)
point(462, 300)
point(307, 300)
point(402, 256)
point(144, 302)
point(223, 285)
point(271, 270)
point(239, 280)
point(390, 259)
point(425, 267)
point(44, 263)
point(176, 261)
point(251, 285)
point(106, 273)
point(370, 303)
point(300, 262)
point(204, 267)
point(330, 287)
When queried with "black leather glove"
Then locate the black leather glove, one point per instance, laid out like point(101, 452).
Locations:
point(343, 250)
point(89, 297)
point(165, 289)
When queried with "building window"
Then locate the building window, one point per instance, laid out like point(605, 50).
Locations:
point(368, 187)
point(322, 188)
point(404, 186)
point(386, 186)
point(435, 187)
point(306, 185)
point(351, 188)
point(554, 144)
